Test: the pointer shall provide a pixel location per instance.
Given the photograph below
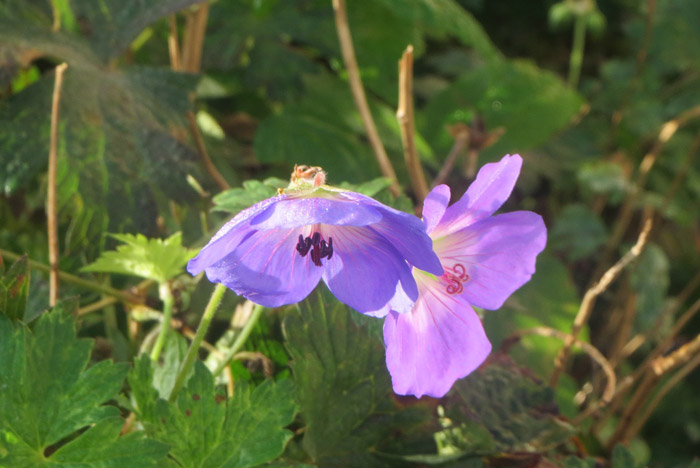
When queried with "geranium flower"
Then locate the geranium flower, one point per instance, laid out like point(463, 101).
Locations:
point(485, 259)
point(276, 251)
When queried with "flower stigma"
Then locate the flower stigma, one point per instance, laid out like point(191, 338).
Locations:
point(455, 277)
point(318, 246)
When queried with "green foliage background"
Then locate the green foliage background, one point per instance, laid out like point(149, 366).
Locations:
point(271, 91)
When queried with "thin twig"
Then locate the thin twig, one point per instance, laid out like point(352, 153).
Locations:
point(590, 297)
point(461, 137)
point(642, 417)
point(190, 61)
point(404, 114)
point(72, 279)
point(51, 214)
point(208, 163)
point(669, 311)
point(358, 94)
point(658, 367)
point(587, 348)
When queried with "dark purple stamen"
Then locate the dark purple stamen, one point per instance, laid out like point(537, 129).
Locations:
point(319, 247)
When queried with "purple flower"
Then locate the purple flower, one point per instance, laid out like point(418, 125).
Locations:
point(485, 259)
point(275, 252)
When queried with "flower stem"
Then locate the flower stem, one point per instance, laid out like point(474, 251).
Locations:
point(166, 295)
point(576, 58)
point(241, 338)
point(191, 356)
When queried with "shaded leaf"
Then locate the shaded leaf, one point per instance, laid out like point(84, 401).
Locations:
point(342, 385)
point(518, 411)
point(156, 259)
point(205, 430)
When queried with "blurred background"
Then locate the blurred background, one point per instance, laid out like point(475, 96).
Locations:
point(175, 115)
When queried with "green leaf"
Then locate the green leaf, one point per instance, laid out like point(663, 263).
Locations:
point(517, 410)
point(156, 259)
point(577, 232)
point(604, 178)
point(205, 430)
point(238, 199)
point(47, 394)
point(530, 104)
point(650, 279)
point(622, 458)
point(14, 289)
point(342, 384)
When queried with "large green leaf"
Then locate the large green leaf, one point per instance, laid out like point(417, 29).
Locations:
point(121, 132)
point(529, 103)
point(47, 395)
point(342, 384)
point(205, 430)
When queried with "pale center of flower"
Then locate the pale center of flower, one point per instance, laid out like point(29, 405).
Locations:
point(317, 245)
point(455, 277)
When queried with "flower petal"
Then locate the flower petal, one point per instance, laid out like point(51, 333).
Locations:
point(365, 270)
point(294, 212)
point(492, 187)
point(405, 232)
point(228, 237)
point(439, 341)
point(498, 254)
point(434, 206)
point(267, 269)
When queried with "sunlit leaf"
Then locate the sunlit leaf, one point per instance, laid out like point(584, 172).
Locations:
point(205, 429)
point(156, 259)
point(47, 394)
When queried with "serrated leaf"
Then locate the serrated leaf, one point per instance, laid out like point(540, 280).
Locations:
point(205, 430)
point(156, 259)
point(14, 289)
point(342, 384)
point(47, 394)
point(529, 103)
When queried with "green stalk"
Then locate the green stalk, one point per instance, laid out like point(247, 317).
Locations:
point(241, 338)
point(191, 356)
point(68, 278)
point(576, 58)
point(166, 295)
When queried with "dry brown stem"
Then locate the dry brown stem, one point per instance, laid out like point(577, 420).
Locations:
point(51, 210)
point(658, 367)
point(358, 94)
point(173, 45)
point(592, 294)
point(404, 114)
point(195, 27)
